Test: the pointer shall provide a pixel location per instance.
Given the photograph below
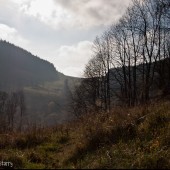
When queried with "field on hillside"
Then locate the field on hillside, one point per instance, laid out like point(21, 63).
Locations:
point(48, 103)
point(53, 87)
point(126, 138)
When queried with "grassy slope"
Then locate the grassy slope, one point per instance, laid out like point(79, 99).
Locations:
point(116, 140)
point(53, 88)
point(39, 97)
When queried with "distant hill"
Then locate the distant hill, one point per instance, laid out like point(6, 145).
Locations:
point(45, 89)
point(19, 68)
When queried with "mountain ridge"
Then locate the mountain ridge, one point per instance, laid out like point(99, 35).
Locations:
point(19, 68)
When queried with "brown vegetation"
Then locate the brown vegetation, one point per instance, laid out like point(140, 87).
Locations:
point(96, 140)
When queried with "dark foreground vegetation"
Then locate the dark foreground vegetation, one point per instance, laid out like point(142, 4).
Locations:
point(126, 138)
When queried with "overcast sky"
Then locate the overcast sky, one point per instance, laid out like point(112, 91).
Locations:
point(59, 31)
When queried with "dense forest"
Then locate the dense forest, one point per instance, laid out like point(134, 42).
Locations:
point(19, 68)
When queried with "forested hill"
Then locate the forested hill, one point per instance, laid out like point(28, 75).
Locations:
point(19, 67)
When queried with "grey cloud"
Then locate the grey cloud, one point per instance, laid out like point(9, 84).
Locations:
point(95, 12)
point(38, 32)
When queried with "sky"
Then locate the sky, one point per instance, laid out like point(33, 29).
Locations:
point(59, 31)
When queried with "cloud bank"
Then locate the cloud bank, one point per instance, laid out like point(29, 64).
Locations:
point(90, 13)
point(73, 58)
point(60, 31)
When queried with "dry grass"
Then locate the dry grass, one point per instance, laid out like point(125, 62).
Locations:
point(96, 140)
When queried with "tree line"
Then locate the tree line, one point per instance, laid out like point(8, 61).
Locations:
point(129, 59)
point(12, 108)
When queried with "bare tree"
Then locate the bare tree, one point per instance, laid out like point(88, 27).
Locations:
point(3, 102)
point(127, 56)
point(22, 107)
point(11, 109)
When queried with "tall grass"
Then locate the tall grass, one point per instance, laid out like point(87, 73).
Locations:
point(125, 138)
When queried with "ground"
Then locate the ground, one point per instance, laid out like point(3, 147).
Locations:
point(125, 138)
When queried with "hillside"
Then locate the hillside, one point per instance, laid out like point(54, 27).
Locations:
point(159, 86)
point(19, 68)
point(126, 138)
point(46, 101)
